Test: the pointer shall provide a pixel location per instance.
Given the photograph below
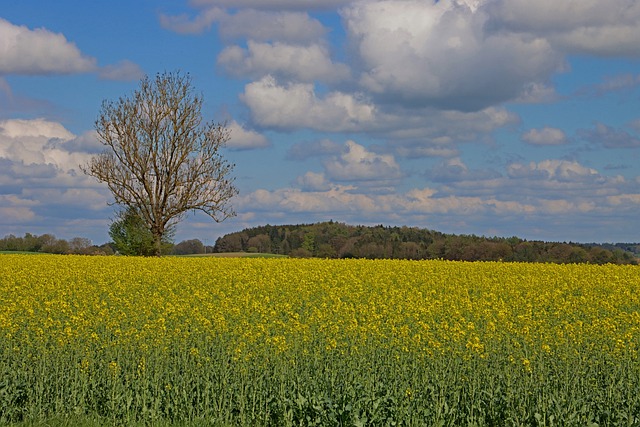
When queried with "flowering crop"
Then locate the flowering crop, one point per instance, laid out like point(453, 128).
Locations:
point(235, 341)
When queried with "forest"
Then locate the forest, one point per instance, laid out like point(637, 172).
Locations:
point(338, 240)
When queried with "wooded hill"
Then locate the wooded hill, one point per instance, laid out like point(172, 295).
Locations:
point(337, 240)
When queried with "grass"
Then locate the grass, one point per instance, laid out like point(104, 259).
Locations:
point(237, 255)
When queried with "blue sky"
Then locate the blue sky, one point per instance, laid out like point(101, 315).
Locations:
point(488, 117)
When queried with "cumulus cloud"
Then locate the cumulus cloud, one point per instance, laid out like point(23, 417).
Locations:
point(39, 51)
point(545, 136)
point(245, 139)
point(356, 163)
point(43, 148)
point(313, 181)
point(295, 105)
point(443, 54)
point(300, 63)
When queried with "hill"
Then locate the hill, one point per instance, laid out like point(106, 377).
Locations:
point(338, 240)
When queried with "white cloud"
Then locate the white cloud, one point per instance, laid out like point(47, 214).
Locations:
point(183, 24)
point(122, 71)
point(335, 199)
point(443, 54)
point(244, 139)
point(339, 200)
point(39, 51)
point(313, 181)
point(38, 142)
point(301, 63)
point(292, 27)
point(545, 136)
point(555, 170)
point(358, 164)
point(14, 209)
point(288, 27)
point(43, 153)
point(296, 105)
point(18, 128)
point(588, 27)
point(15, 214)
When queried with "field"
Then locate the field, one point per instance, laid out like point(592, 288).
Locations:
point(292, 342)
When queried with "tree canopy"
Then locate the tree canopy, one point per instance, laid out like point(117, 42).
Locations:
point(337, 240)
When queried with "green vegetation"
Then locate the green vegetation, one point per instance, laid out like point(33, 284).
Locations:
point(131, 236)
point(48, 243)
point(132, 341)
point(335, 240)
point(338, 240)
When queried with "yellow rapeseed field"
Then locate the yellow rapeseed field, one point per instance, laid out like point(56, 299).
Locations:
point(236, 341)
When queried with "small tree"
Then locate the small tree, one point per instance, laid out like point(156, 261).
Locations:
point(160, 159)
point(131, 236)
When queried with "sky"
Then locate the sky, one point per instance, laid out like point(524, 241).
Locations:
point(487, 117)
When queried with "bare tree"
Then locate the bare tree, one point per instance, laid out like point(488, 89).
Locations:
point(161, 159)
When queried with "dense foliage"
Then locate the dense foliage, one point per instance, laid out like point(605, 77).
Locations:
point(131, 235)
point(48, 243)
point(284, 342)
point(337, 240)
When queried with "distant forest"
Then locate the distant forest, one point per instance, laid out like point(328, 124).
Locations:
point(337, 240)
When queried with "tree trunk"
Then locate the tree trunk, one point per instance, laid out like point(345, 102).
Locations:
point(157, 240)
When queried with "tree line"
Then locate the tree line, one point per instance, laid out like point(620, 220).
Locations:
point(337, 240)
point(48, 243)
